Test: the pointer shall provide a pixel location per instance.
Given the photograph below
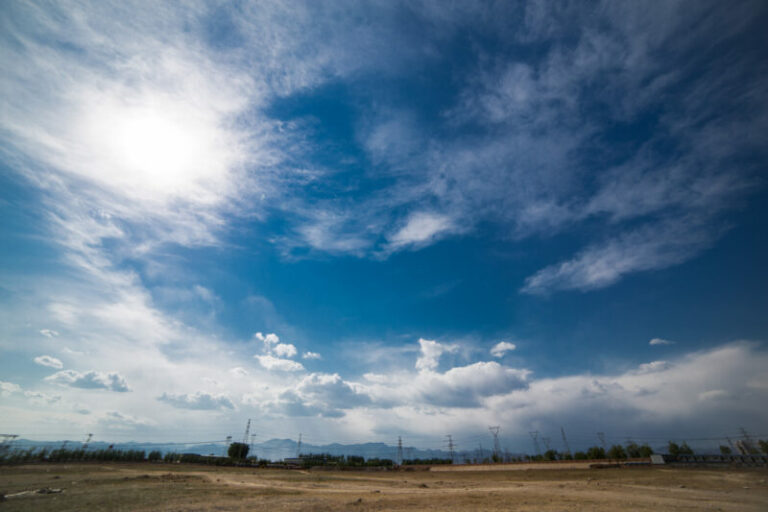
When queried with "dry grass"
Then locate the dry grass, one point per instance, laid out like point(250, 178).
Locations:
point(196, 488)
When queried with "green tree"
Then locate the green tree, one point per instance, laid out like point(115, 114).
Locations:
point(617, 452)
point(685, 449)
point(763, 446)
point(238, 451)
point(673, 449)
point(550, 455)
point(725, 450)
point(596, 452)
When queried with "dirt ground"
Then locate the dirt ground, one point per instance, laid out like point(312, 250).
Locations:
point(128, 487)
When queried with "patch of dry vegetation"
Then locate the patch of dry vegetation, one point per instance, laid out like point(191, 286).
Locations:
point(145, 487)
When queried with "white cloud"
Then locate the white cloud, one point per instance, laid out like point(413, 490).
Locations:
point(92, 379)
point(238, 371)
point(9, 388)
point(653, 366)
point(197, 401)
point(42, 398)
point(275, 363)
point(49, 361)
point(269, 340)
point(647, 248)
point(467, 386)
point(311, 355)
point(320, 394)
point(49, 333)
point(502, 348)
point(660, 341)
point(285, 350)
point(431, 351)
point(421, 228)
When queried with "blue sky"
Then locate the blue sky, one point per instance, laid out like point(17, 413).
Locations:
point(364, 220)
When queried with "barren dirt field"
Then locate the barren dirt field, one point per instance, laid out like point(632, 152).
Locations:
point(199, 488)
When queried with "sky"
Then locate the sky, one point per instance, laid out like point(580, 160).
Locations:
point(368, 220)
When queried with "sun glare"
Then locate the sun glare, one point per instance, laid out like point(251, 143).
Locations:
point(156, 151)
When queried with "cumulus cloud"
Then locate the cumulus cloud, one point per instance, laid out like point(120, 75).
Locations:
point(49, 361)
point(502, 348)
point(430, 352)
point(269, 340)
point(111, 381)
point(200, 401)
point(320, 394)
point(660, 341)
point(311, 355)
point(467, 386)
point(275, 363)
point(285, 350)
point(49, 333)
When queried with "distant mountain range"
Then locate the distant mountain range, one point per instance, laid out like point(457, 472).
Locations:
point(274, 449)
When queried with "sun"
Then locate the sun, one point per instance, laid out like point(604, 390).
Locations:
point(155, 149)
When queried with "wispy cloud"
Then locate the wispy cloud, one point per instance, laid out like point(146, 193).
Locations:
point(49, 361)
point(660, 341)
point(648, 248)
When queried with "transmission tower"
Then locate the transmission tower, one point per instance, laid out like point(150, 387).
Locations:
point(565, 442)
point(546, 442)
point(535, 437)
point(247, 431)
point(451, 448)
point(399, 451)
point(87, 440)
point(601, 437)
point(748, 444)
point(298, 447)
point(226, 446)
point(496, 447)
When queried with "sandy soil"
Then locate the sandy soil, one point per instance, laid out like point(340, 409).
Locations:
point(162, 487)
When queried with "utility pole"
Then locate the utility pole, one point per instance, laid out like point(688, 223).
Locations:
point(399, 451)
point(298, 447)
point(496, 447)
point(565, 442)
point(450, 448)
point(535, 437)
